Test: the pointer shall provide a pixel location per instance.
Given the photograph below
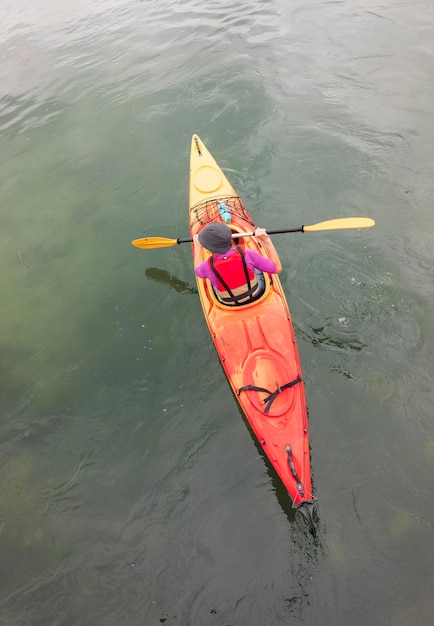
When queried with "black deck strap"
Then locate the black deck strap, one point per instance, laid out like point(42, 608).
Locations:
point(268, 401)
point(246, 271)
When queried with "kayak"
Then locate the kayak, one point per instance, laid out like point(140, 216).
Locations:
point(255, 342)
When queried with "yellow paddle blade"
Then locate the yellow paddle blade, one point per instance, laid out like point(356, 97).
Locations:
point(154, 242)
point(340, 223)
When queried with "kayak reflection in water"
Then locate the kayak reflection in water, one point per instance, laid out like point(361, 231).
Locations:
point(236, 274)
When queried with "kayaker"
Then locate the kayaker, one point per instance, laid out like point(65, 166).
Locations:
point(236, 275)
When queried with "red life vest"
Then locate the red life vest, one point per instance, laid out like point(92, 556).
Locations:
point(232, 272)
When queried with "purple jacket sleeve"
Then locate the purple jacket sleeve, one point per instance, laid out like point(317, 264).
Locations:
point(259, 262)
point(204, 271)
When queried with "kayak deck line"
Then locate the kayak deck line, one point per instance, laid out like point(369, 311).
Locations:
point(293, 470)
point(196, 141)
point(255, 342)
point(206, 211)
point(268, 401)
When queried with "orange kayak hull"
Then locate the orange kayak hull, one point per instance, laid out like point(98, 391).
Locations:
point(255, 342)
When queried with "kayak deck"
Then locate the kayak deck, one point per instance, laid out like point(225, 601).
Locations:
point(255, 342)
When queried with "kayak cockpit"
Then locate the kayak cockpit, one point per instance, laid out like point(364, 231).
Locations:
point(259, 297)
point(252, 295)
point(231, 210)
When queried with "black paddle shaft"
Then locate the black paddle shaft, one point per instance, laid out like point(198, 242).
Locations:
point(269, 232)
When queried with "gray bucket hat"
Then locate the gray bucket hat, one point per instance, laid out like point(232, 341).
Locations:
point(216, 237)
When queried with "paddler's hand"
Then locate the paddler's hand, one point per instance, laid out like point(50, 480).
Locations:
point(261, 233)
point(197, 251)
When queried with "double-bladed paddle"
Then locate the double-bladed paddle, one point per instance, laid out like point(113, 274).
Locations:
point(337, 224)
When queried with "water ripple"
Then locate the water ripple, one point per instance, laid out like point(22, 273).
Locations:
point(105, 51)
point(127, 470)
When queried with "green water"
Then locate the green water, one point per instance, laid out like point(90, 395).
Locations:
point(131, 491)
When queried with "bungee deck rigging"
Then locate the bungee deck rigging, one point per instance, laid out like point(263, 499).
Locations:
point(206, 211)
